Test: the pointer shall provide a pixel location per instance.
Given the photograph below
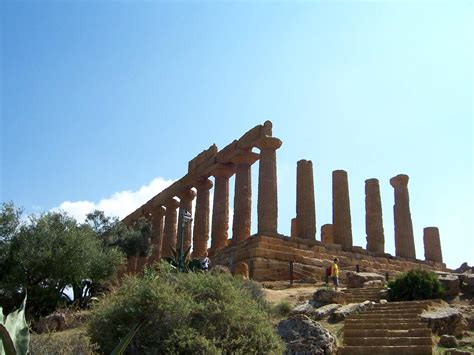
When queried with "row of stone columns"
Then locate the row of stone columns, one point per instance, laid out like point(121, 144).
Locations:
point(340, 231)
point(165, 236)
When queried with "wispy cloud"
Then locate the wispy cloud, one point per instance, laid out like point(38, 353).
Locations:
point(119, 204)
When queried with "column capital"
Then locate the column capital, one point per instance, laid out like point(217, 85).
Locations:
point(372, 181)
point(187, 195)
point(400, 180)
point(223, 170)
point(268, 143)
point(245, 157)
point(159, 211)
point(172, 203)
point(204, 184)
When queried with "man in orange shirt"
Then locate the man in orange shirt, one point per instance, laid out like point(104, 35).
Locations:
point(335, 273)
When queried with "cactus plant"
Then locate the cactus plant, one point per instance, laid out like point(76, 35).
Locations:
point(14, 332)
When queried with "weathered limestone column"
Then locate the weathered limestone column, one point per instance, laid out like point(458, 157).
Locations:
point(294, 228)
point(404, 241)
point(432, 244)
point(341, 210)
point(157, 221)
point(243, 196)
point(373, 217)
point(327, 236)
point(220, 209)
point(186, 201)
point(305, 208)
point(169, 236)
point(267, 206)
point(201, 218)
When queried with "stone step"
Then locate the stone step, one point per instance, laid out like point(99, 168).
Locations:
point(409, 303)
point(362, 290)
point(360, 300)
point(376, 309)
point(392, 341)
point(386, 350)
point(384, 315)
point(353, 319)
point(425, 332)
point(384, 326)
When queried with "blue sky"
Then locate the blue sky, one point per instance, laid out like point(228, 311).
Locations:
point(101, 100)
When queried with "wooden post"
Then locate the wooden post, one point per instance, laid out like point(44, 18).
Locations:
point(291, 272)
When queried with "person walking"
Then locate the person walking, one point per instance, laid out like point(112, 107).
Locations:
point(335, 273)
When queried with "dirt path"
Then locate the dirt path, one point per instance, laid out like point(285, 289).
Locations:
point(293, 295)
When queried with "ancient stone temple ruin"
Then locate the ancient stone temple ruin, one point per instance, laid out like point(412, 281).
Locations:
point(269, 255)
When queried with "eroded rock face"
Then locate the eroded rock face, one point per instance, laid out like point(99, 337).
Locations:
point(326, 310)
point(305, 336)
point(329, 296)
point(465, 268)
point(346, 310)
point(446, 320)
point(357, 280)
point(451, 284)
point(308, 308)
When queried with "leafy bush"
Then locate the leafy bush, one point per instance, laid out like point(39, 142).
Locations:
point(201, 313)
point(282, 309)
point(415, 285)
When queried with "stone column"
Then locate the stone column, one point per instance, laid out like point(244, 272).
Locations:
point(432, 244)
point(220, 209)
point(242, 221)
point(267, 205)
point(294, 228)
point(305, 208)
point(157, 219)
point(186, 203)
point(373, 217)
point(169, 236)
point(327, 236)
point(341, 210)
point(404, 241)
point(201, 218)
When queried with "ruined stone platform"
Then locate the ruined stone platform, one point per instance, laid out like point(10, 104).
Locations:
point(269, 257)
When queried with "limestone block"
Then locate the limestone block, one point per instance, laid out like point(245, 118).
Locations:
point(451, 284)
point(351, 308)
point(242, 269)
point(357, 280)
point(324, 311)
point(324, 295)
point(445, 321)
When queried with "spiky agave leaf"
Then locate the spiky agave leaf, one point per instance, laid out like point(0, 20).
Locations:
point(18, 331)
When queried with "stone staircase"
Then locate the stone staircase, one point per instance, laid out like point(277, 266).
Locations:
point(358, 295)
point(390, 328)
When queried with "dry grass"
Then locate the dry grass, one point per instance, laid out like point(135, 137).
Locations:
point(72, 341)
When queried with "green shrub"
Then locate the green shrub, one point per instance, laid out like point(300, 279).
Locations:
point(415, 285)
point(200, 313)
point(282, 309)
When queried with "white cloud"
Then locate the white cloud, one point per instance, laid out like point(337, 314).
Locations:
point(120, 204)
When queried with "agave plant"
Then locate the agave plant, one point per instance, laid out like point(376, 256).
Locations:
point(181, 262)
point(14, 332)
